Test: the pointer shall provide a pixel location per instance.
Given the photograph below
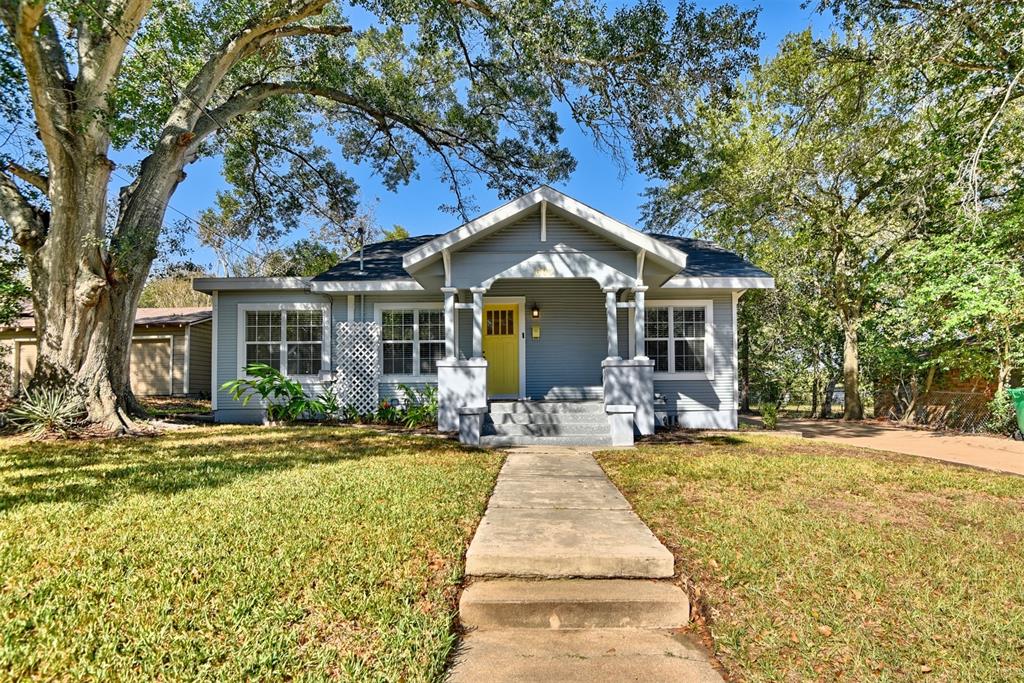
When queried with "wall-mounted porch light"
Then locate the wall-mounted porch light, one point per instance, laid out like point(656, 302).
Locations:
point(535, 312)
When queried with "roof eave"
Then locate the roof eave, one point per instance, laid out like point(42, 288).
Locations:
point(364, 286)
point(706, 282)
point(220, 284)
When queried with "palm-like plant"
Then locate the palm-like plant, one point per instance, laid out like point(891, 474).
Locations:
point(285, 398)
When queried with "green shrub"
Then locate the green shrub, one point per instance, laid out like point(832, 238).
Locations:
point(285, 399)
point(48, 411)
point(770, 416)
point(388, 413)
point(1002, 415)
point(420, 406)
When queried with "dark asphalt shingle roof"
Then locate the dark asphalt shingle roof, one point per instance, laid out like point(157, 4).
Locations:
point(707, 259)
point(383, 260)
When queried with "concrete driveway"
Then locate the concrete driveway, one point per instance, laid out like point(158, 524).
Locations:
point(987, 452)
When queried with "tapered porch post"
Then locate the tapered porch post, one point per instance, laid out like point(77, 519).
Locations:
point(639, 320)
point(612, 315)
point(449, 321)
point(478, 321)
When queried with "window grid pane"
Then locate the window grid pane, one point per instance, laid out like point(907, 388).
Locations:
point(263, 326)
point(657, 350)
point(397, 358)
point(689, 355)
point(431, 325)
point(430, 353)
point(656, 323)
point(304, 358)
point(270, 354)
point(688, 323)
point(304, 326)
point(397, 325)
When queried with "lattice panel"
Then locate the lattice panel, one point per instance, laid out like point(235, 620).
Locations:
point(357, 346)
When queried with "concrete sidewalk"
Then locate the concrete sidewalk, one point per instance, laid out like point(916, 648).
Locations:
point(986, 452)
point(564, 583)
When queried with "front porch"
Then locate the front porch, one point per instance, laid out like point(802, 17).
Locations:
point(546, 358)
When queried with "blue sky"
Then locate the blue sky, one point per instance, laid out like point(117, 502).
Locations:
point(597, 181)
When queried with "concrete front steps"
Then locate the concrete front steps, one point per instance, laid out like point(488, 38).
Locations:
point(551, 423)
point(573, 604)
point(568, 584)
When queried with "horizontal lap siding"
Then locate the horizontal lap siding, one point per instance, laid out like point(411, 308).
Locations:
point(200, 353)
point(515, 243)
point(573, 339)
point(703, 394)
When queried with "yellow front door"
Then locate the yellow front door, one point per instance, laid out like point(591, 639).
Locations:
point(501, 349)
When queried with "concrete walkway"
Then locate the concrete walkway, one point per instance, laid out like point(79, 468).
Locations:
point(987, 452)
point(564, 583)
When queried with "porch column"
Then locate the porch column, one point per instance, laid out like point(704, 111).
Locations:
point(639, 320)
point(612, 315)
point(449, 321)
point(478, 321)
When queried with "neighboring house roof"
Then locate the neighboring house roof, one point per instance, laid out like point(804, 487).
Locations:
point(153, 317)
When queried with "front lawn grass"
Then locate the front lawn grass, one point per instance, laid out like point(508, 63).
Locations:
point(823, 562)
point(235, 553)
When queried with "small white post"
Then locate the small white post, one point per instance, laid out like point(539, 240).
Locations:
point(639, 321)
point(478, 321)
point(449, 321)
point(612, 313)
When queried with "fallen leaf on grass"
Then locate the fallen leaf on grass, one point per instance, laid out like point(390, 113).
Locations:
point(825, 630)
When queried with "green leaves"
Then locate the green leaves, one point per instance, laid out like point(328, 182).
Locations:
point(284, 398)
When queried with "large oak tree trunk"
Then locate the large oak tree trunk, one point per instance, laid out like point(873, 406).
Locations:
point(85, 294)
point(853, 406)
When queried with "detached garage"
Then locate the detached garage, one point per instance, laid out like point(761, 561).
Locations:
point(170, 354)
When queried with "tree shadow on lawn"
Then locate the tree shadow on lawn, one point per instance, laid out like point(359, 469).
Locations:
point(95, 471)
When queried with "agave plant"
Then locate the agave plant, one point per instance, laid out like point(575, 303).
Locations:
point(48, 410)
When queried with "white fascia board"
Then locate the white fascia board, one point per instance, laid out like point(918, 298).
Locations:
point(211, 284)
point(341, 286)
point(602, 222)
point(681, 282)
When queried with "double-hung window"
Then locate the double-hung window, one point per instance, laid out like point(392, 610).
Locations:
point(412, 339)
point(286, 338)
point(677, 337)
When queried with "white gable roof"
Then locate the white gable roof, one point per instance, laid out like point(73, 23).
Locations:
point(503, 215)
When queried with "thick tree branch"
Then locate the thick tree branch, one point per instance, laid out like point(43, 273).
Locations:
point(46, 80)
point(37, 180)
point(101, 46)
point(28, 224)
point(202, 87)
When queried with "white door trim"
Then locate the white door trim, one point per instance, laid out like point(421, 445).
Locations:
point(521, 300)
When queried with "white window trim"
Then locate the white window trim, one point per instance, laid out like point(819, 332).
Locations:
point(325, 342)
point(709, 336)
point(416, 307)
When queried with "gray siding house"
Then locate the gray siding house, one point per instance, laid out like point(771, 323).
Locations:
point(542, 319)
